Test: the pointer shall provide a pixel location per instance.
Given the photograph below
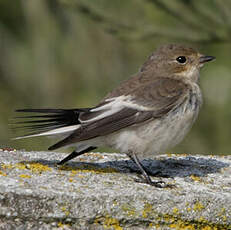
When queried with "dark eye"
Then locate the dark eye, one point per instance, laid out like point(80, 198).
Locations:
point(181, 59)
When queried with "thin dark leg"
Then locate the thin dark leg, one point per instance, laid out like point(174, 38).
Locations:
point(135, 159)
point(75, 154)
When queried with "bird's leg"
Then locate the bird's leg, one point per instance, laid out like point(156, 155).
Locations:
point(135, 159)
point(75, 154)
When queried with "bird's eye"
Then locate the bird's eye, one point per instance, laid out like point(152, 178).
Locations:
point(181, 59)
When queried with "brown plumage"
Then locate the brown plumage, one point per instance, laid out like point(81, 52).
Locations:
point(144, 115)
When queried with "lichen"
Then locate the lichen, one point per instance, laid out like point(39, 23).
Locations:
point(34, 167)
point(2, 173)
point(62, 225)
point(175, 211)
point(195, 178)
point(176, 222)
point(198, 206)
point(147, 210)
point(128, 209)
point(25, 176)
point(65, 210)
point(108, 222)
point(37, 167)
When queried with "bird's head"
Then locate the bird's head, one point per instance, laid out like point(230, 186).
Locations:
point(176, 60)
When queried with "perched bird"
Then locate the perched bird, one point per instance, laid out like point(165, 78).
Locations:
point(145, 115)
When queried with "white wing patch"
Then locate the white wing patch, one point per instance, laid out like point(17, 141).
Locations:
point(115, 105)
point(57, 131)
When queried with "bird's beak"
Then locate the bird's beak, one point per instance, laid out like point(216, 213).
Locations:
point(205, 58)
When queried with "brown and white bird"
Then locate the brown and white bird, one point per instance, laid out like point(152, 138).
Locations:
point(145, 115)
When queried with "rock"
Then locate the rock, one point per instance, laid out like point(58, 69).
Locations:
point(98, 191)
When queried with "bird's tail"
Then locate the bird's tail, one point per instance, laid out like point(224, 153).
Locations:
point(46, 122)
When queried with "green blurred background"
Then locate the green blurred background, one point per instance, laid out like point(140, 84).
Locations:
point(70, 53)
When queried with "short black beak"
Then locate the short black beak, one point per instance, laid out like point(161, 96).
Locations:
point(205, 58)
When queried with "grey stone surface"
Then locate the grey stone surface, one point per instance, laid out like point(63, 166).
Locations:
point(98, 191)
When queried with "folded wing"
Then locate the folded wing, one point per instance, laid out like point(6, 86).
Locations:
point(152, 101)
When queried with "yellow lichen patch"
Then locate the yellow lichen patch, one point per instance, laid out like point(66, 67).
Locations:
point(198, 206)
point(209, 228)
point(202, 219)
point(71, 180)
point(177, 223)
point(61, 225)
point(169, 218)
point(64, 209)
point(175, 211)
point(147, 210)
point(181, 226)
point(24, 176)
point(111, 222)
point(2, 173)
point(34, 167)
point(108, 222)
point(20, 166)
point(37, 167)
point(73, 172)
point(7, 166)
point(195, 178)
point(128, 209)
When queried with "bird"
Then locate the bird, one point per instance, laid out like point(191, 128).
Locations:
point(145, 115)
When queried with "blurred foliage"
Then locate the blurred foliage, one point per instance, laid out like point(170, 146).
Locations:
point(70, 53)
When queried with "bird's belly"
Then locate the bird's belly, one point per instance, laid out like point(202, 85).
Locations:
point(154, 136)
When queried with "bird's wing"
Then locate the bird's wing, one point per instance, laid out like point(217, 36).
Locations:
point(146, 102)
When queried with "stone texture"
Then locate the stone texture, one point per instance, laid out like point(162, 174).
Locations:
point(98, 191)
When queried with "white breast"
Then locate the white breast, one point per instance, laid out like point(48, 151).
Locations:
point(157, 135)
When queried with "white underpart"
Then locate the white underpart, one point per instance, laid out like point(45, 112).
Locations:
point(156, 135)
point(116, 104)
point(58, 131)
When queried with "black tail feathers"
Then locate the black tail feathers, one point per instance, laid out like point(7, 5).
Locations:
point(46, 119)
